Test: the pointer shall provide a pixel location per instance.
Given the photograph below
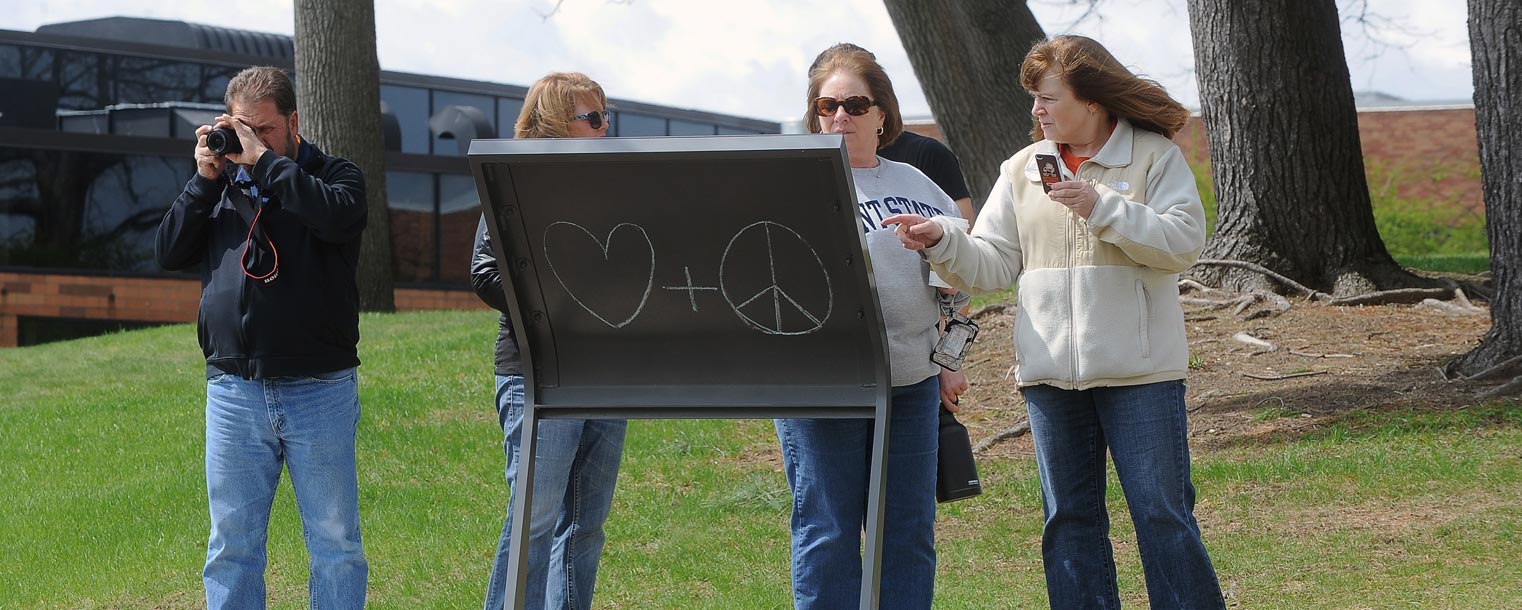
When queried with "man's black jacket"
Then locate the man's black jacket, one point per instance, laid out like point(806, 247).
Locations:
point(302, 321)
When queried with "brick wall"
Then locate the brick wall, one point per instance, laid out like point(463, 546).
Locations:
point(93, 297)
point(1431, 155)
point(1421, 153)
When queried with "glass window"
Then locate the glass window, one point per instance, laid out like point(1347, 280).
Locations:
point(25, 63)
point(214, 83)
point(444, 99)
point(30, 97)
point(459, 212)
point(85, 210)
point(145, 122)
point(79, 81)
point(634, 124)
point(410, 105)
point(507, 116)
point(141, 80)
point(690, 128)
point(410, 198)
point(124, 207)
point(731, 131)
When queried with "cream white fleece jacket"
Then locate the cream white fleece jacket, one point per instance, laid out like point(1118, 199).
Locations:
point(1098, 298)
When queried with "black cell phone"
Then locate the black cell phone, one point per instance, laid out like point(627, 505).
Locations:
point(1050, 171)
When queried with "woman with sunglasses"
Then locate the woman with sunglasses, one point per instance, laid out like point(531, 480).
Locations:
point(827, 459)
point(576, 461)
point(1100, 343)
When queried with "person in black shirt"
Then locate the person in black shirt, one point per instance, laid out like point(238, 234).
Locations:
point(936, 161)
point(274, 230)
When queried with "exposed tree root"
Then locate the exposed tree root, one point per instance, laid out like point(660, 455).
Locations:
point(1241, 304)
point(1284, 376)
point(1509, 388)
point(1388, 297)
point(1264, 346)
point(1015, 431)
point(1509, 369)
point(1315, 355)
point(1460, 306)
point(1297, 286)
point(1451, 287)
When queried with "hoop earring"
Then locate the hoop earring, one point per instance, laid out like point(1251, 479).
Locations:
point(879, 131)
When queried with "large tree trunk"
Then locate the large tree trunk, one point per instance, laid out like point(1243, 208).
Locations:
point(338, 79)
point(1283, 135)
point(1495, 43)
point(967, 56)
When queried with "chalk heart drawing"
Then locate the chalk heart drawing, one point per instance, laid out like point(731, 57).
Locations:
point(606, 272)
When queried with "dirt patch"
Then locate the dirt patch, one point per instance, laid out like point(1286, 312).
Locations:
point(1358, 357)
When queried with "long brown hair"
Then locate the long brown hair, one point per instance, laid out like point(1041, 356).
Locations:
point(852, 59)
point(1095, 75)
point(551, 102)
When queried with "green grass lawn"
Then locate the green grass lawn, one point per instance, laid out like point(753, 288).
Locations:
point(104, 503)
point(1474, 262)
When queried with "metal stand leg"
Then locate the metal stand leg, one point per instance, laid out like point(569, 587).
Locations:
point(523, 491)
point(872, 555)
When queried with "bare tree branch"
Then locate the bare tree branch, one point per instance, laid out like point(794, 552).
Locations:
point(1382, 32)
point(554, 9)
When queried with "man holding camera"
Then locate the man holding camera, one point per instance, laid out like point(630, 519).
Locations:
point(274, 227)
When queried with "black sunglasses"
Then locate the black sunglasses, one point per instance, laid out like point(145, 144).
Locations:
point(595, 119)
point(856, 105)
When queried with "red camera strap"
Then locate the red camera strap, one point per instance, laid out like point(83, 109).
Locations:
point(243, 259)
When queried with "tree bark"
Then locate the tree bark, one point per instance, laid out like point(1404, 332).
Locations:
point(1283, 135)
point(1495, 43)
point(338, 80)
point(967, 56)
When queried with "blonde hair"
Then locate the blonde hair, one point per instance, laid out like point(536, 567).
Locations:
point(1095, 75)
point(551, 102)
point(851, 59)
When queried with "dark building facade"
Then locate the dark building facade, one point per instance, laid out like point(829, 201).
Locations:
point(94, 144)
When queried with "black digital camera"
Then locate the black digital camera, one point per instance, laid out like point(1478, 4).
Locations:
point(223, 141)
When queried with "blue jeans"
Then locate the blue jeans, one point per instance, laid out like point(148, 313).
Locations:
point(575, 470)
point(253, 427)
point(1144, 428)
point(828, 463)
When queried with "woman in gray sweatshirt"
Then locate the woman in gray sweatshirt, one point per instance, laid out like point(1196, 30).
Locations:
point(827, 459)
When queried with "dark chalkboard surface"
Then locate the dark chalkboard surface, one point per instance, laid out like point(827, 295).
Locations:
point(662, 274)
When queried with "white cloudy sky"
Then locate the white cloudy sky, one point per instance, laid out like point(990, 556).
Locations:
point(747, 57)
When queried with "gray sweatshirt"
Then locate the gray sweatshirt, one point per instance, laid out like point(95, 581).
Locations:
point(909, 305)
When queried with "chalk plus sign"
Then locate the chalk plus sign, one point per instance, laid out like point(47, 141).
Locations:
point(691, 290)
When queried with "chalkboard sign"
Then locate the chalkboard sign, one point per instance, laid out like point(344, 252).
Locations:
point(722, 273)
point(686, 277)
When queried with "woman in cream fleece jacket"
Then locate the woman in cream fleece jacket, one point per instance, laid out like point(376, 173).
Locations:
point(1099, 335)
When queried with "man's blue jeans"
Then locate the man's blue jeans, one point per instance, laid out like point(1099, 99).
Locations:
point(253, 427)
point(575, 470)
point(1144, 427)
point(827, 463)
